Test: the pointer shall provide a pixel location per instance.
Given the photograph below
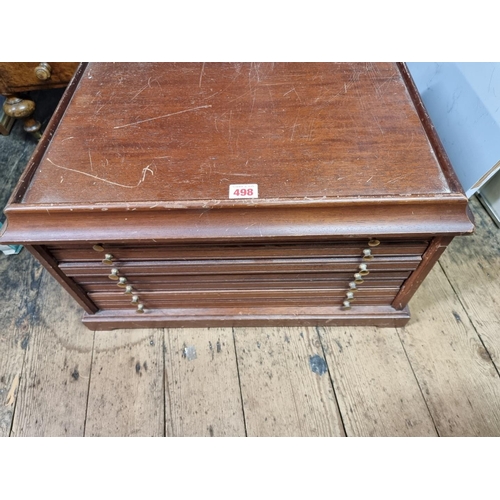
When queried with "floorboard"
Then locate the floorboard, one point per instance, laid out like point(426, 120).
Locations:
point(54, 380)
point(377, 391)
point(202, 390)
point(458, 379)
point(472, 265)
point(126, 394)
point(285, 383)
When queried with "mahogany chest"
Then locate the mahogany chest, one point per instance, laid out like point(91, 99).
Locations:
point(239, 194)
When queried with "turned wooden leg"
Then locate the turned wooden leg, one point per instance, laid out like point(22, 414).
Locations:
point(16, 107)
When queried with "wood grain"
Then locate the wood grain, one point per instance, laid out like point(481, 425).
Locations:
point(126, 396)
point(282, 395)
point(472, 265)
point(20, 277)
point(246, 123)
point(456, 374)
point(376, 389)
point(202, 390)
point(54, 382)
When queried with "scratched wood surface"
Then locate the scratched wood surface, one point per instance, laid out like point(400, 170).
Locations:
point(374, 382)
point(285, 383)
point(219, 124)
point(126, 391)
point(201, 382)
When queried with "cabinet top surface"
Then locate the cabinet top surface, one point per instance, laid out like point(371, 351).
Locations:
point(173, 132)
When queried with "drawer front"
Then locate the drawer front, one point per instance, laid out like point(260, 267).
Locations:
point(29, 75)
point(140, 270)
point(237, 298)
point(125, 253)
point(235, 275)
point(243, 282)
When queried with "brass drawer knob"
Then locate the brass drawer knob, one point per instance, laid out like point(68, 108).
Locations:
point(122, 282)
point(108, 259)
point(346, 304)
point(43, 71)
point(363, 270)
point(140, 308)
point(114, 274)
point(135, 299)
point(352, 285)
point(367, 254)
point(98, 247)
point(128, 289)
point(350, 296)
point(358, 278)
point(373, 243)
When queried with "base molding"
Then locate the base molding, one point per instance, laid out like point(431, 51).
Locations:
point(385, 316)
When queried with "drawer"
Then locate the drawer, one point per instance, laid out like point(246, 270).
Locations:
point(243, 282)
point(230, 298)
point(20, 77)
point(228, 279)
point(124, 253)
point(142, 270)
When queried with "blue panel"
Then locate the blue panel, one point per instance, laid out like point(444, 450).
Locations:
point(463, 101)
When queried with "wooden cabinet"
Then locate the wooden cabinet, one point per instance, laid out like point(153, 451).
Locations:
point(239, 194)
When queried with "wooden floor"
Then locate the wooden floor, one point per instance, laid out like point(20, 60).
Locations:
point(439, 376)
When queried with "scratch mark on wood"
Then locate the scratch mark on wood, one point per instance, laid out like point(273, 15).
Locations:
point(90, 159)
point(293, 90)
point(142, 89)
point(240, 96)
point(145, 170)
point(95, 97)
point(67, 139)
point(293, 128)
point(201, 74)
point(396, 179)
point(163, 116)
point(377, 122)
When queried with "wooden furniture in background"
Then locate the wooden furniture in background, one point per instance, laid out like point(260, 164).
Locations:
point(16, 78)
point(239, 194)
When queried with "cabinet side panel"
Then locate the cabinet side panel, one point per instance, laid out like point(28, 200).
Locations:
point(46, 259)
point(431, 255)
